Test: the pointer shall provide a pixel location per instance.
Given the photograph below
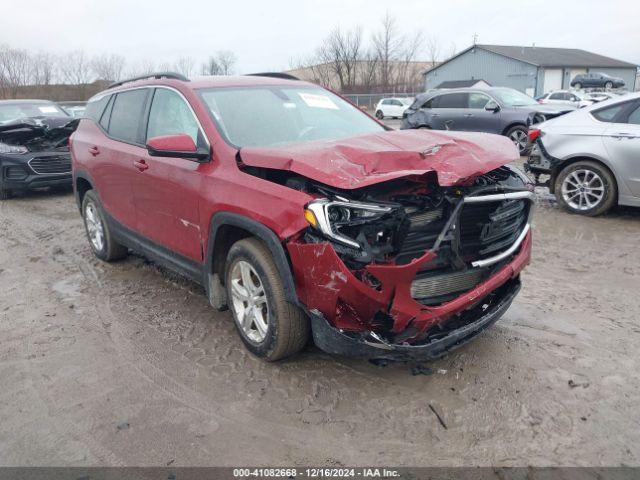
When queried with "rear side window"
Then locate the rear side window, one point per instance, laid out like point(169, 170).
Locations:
point(454, 100)
point(95, 108)
point(608, 114)
point(126, 115)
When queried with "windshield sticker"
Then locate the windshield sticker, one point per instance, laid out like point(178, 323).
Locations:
point(318, 101)
point(48, 109)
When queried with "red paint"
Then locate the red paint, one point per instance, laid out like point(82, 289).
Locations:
point(173, 143)
point(173, 201)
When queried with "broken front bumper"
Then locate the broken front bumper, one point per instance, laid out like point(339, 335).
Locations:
point(339, 342)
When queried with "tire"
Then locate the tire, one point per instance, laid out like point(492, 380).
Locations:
point(518, 135)
point(577, 85)
point(600, 181)
point(93, 216)
point(380, 115)
point(287, 327)
point(608, 85)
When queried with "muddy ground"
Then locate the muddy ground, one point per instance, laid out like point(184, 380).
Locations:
point(126, 364)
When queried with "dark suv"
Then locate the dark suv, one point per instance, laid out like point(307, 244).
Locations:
point(596, 80)
point(500, 110)
point(34, 150)
point(303, 214)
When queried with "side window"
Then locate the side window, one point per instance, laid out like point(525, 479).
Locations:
point(433, 102)
point(478, 100)
point(397, 103)
point(95, 108)
point(386, 102)
point(126, 115)
point(170, 115)
point(454, 100)
point(106, 115)
point(556, 96)
point(608, 114)
point(634, 116)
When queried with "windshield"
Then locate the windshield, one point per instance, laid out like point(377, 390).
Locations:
point(513, 98)
point(15, 111)
point(268, 116)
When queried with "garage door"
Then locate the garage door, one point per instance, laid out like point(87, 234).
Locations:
point(552, 79)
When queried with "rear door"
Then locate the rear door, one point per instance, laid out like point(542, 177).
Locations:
point(167, 190)
point(622, 141)
point(116, 152)
point(449, 110)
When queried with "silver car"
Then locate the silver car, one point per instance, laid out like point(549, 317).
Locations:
point(592, 156)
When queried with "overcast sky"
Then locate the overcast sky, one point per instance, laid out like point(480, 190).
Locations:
point(266, 34)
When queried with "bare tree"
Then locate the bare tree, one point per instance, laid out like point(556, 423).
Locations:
point(388, 44)
point(227, 61)
point(407, 71)
point(15, 70)
point(185, 65)
point(43, 68)
point(433, 49)
point(75, 68)
point(341, 52)
point(108, 67)
point(211, 66)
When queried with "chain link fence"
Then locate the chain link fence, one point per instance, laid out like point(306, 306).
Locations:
point(369, 101)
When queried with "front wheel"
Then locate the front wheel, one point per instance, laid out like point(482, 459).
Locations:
point(518, 135)
point(379, 115)
point(577, 85)
point(586, 188)
point(608, 85)
point(100, 237)
point(270, 327)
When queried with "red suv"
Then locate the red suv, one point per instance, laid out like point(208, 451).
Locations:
point(304, 215)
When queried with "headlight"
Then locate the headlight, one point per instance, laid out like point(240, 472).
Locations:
point(329, 216)
point(4, 148)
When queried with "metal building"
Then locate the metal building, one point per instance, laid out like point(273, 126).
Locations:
point(532, 70)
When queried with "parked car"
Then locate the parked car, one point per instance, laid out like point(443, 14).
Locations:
point(302, 213)
point(565, 97)
point(596, 79)
point(591, 156)
point(392, 107)
point(75, 109)
point(504, 111)
point(34, 149)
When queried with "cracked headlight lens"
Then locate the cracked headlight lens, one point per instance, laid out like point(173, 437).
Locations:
point(17, 149)
point(328, 216)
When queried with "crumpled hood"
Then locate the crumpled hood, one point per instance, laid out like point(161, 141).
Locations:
point(368, 159)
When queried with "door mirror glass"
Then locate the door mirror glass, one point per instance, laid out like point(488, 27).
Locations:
point(180, 145)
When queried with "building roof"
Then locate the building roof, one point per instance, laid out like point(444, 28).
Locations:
point(548, 57)
point(461, 83)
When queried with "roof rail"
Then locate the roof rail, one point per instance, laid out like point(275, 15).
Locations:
point(171, 75)
point(284, 76)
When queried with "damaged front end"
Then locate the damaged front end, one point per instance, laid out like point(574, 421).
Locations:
point(408, 268)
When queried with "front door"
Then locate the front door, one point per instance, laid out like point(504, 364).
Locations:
point(167, 190)
point(622, 141)
point(476, 118)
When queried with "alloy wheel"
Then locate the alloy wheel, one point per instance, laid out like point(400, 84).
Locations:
point(519, 139)
point(249, 301)
point(94, 227)
point(583, 189)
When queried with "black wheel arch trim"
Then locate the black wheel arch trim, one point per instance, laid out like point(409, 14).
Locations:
point(262, 232)
point(77, 174)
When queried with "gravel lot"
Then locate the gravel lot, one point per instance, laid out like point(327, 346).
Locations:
point(126, 364)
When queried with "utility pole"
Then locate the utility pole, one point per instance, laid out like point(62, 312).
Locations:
point(475, 38)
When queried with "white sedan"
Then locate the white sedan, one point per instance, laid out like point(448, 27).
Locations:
point(565, 97)
point(392, 107)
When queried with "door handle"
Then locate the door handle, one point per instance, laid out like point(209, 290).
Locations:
point(94, 150)
point(141, 165)
point(468, 114)
point(623, 135)
point(435, 114)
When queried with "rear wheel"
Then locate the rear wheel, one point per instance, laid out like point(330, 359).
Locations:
point(586, 188)
point(100, 237)
point(270, 327)
point(518, 135)
point(577, 85)
point(379, 115)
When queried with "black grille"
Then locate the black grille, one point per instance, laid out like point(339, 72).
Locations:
point(51, 165)
point(425, 226)
point(488, 228)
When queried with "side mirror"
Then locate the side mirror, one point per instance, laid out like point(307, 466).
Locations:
point(180, 145)
point(492, 107)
